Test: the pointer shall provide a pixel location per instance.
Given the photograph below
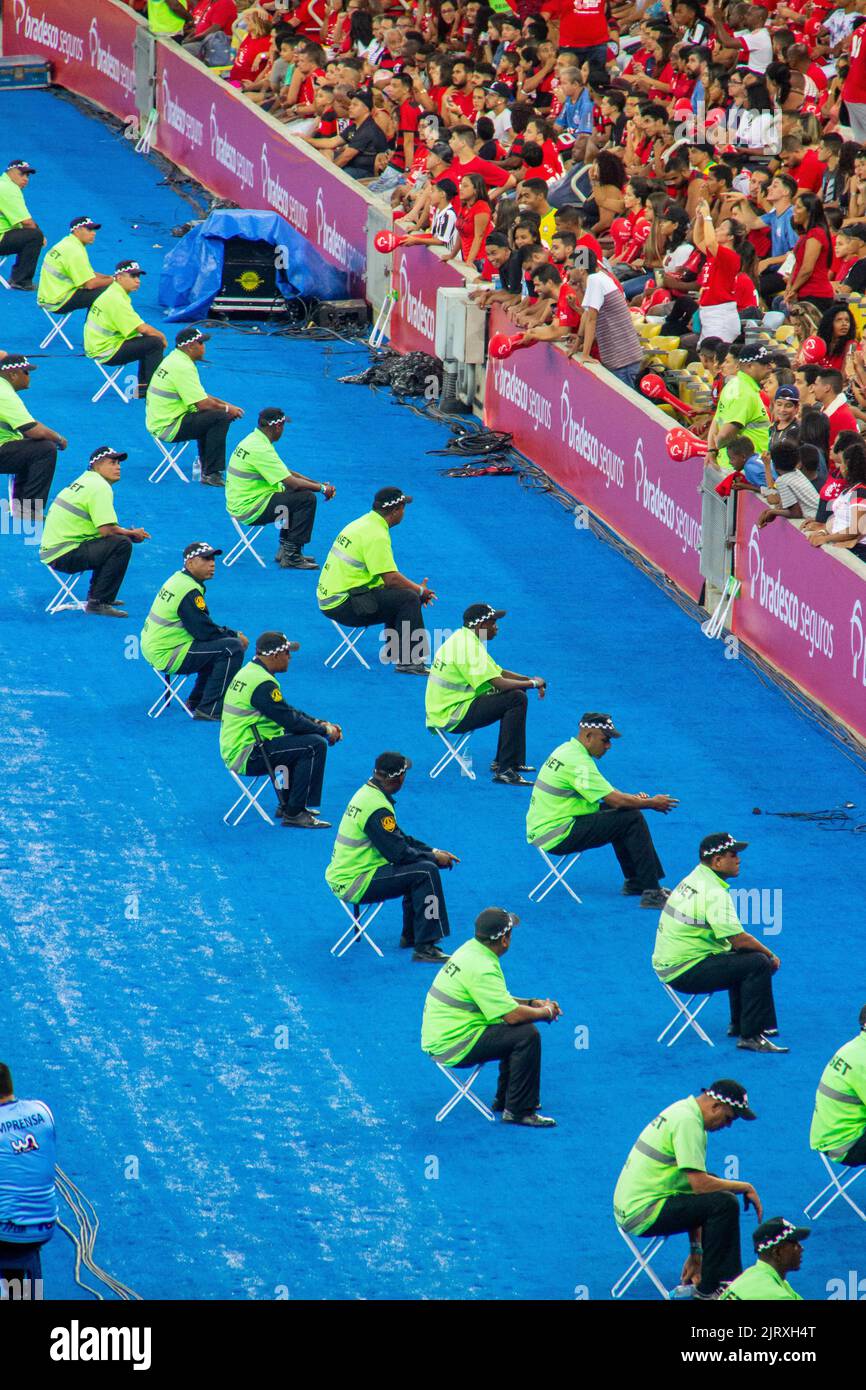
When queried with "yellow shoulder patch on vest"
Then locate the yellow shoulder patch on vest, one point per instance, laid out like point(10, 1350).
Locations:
point(199, 601)
point(389, 823)
point(276, 695)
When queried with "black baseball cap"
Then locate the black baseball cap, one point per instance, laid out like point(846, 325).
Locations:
point(787, 393)
point(593, 720)
point(493, 923)
point(389, 497)
point(365, 97)
point(191, 335)
point(733, 1094)
point(87, 222)
point(392, 764)
point(721, 843)
point(499, 89)
point(775, 1231)
point(128, 268)
point(482, 613)
point(105, 451)
point(17, 362)
point(202, 549)
point(21, 165)
point(271, 643)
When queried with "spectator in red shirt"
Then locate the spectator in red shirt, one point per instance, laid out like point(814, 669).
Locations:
point(803, 163)
point(463, 141)
point(813, 255)
point(399, 89)
point(582, 28)
point(717, 302)
point(829, 393)
point(212, 22)
point(253, 51)
point(473, 220)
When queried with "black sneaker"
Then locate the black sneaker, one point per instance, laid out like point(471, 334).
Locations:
point(106, 610)
point(524, 767)
point(654, 897)
point(510, 777)
point(532, 1120)
point(760, 1044)
point(429, 955)
point(305, 820)
point(26, 285)
point(631, 888)
point(412, 668)
point(213, 480)
point(294, 560)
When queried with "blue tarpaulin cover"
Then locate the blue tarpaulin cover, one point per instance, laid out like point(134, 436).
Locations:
point(192, 273)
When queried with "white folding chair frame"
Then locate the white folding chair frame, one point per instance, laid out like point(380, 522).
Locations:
point(171, 688)
point(556, 874)
point(453, 753)
point(349, 638)
point(4, 282)
point(247, 537)
point(170, 460)
point(640, 1265)
point(58, 323)
point(248, 799)
point(837, 1188)
point(463, 1092)
point(362, 917)
point(684, 1011)
point(110, 383)
point(65, 591)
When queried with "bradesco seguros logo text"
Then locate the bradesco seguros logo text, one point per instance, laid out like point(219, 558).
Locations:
point(37, 29)
point(176, 116)
point(581, 440)
point(226, 154)
point(858, 643)
point(772, 594)
point(510, 385)
point(332, 242)
point(277, 196)
point(108, 63)
point(414, 311)
point(650, 494)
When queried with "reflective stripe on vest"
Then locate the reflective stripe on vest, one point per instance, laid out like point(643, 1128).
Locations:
point(841, 1151)
point(455, 1050)
point(470, 1008)
point(554, 791)
point(68, 507)
point(167, 395)
point(668, 911)
point(58, 274)
point(838, 1095)
point(654, 1154)
point(551, 837)
point(353, 844)
point(248, 747)
point(636, 1221)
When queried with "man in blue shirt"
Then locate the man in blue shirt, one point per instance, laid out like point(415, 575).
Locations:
point(28, 1197)
point(780, 196)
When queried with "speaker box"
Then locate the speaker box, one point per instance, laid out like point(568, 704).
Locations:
point(249, 288)
point(343, 315)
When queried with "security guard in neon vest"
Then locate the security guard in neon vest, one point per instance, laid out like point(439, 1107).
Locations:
point(471, 1017)
point(115, 334)
point(28, 449)
point(295, 744)
point(664, 1187)
point(467, 690)
point(168, 17)
point(573, 808)
point(361, 586)
point(779, 1247)
point(19, 235)
point(82, 533)
point(28, 1193)
point(701, 946)
point(180, 637)
point(839, 1120)
point(67, 280)
point(179, 408)
point(260, 489)
point(374, 860)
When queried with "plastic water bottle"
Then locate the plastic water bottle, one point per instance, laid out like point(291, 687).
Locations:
point(196, 471)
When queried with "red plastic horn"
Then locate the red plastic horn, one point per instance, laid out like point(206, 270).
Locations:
point(653, 386)
point(813, 350)
point(682, 445)
point(502, 346)
point(387, 242)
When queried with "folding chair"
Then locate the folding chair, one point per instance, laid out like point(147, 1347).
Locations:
point(349, 639)
point(453, 753)
point(64, 601)
point(171, 688)
point(170, 460)
point(836, 1188)
point(247, 537)
point(362, 917)
point(4, 282)
point(58, 323)
point(248, 800)
point(110, 383)
point(555, 875)
point(685, 1012)
point(640, 1265)
point(464, 1092)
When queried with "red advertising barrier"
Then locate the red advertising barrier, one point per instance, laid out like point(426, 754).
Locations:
point(600, 442)
point(804, 611)
point(416, 275)
point(89, 45)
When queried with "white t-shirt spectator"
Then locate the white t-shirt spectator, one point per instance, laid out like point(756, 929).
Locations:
point(795, 487)
point(502, 126)
point(444, 226)
point(760, 47)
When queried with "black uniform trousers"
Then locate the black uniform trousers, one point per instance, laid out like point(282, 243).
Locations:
point(108, 557)
point(209, 428)
point(517, 1048)
point(144, 349)
point(400, 612)
point(718, 1216)
point(747, 977)
point(214, 663)
point(80, 299)
point(509, 708)
point(295, 510)
point(302, 760)
point(856, 1155)
point(19, 1261)
point(419, 884)
point(24, 243)
point(33, 462)
point(629, 834)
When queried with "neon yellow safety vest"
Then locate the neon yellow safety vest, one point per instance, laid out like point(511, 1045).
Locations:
point(462, 670)
point(161, 19)
point(355, 858)
point(760, 1283)
point(164, 639)
point(555, 800)
point(839, 1119)
point(239, 718)
point(362, 543)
